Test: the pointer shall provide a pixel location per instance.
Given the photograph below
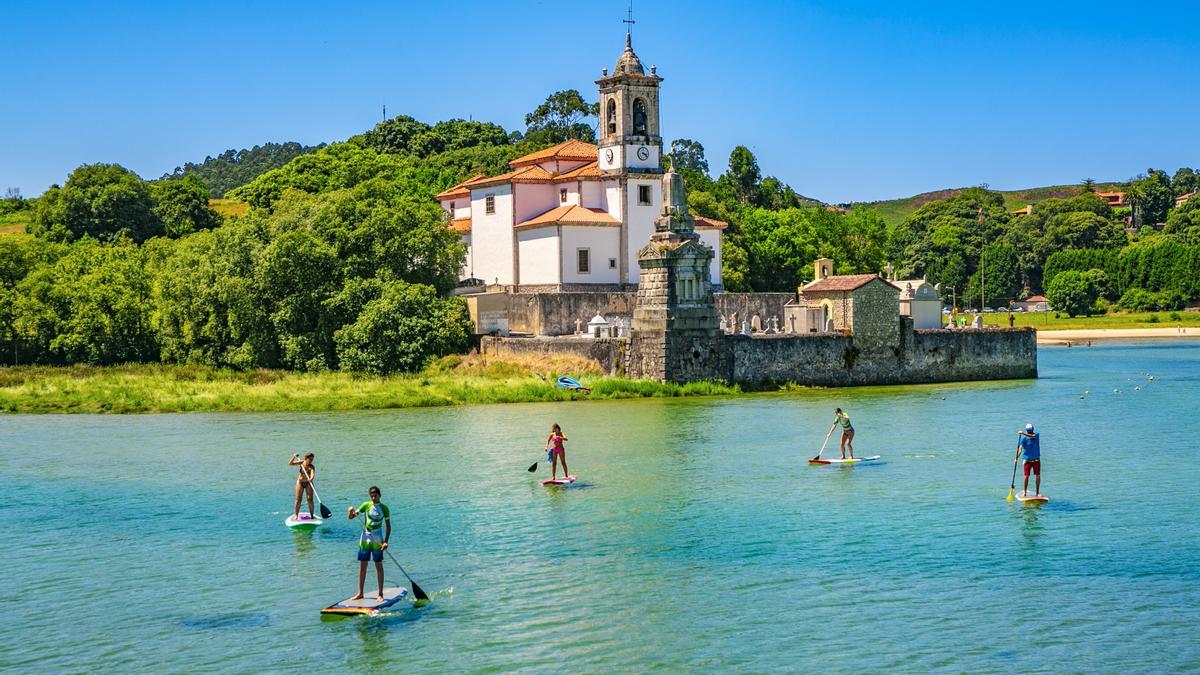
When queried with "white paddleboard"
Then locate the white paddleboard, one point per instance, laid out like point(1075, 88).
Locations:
point(559, 481)
point(1027, 498)
point(839, 460)
point(304, 522)
point(368, 604)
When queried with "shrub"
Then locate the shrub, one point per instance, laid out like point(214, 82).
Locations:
point(1175, 316)
point(1153, 318)
point(1138, 300)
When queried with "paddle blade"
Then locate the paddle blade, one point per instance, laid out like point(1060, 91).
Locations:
point(533, 467)
point(1009, 498)
point(325, 512)
point(417, 592)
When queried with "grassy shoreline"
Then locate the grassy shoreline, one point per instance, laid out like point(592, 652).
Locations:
point(156, 388)
point(1047, 320)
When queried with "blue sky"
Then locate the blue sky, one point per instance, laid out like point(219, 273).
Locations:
point(843, 101)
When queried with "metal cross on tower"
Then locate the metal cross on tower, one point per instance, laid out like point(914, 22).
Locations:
point(629, 19)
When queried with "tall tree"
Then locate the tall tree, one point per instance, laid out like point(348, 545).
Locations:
point(688, 155)
point(562, 116)
point(743, 176)
point(104, 201)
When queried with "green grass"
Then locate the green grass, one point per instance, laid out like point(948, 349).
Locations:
point(229, 207)
point(14, 223)
point(1046, 320)
point(153, 388)
point(894, 211)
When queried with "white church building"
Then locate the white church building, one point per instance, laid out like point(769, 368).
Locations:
point(573, 216)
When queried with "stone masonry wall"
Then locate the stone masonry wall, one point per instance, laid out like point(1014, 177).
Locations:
point(555, 313)
point(873, 323)
point(831, 360)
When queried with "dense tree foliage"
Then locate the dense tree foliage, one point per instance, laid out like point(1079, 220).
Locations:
point(234, 168)
point(406, 136)
point(109, 202)
point(563, 115)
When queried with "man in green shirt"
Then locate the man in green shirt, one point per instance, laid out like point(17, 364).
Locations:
point(371, 546)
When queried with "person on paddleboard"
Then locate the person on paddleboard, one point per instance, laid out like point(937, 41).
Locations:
point(371, 545)
point(554, 445)
point(1029, 448)
point(304, 482)
point(847, 431)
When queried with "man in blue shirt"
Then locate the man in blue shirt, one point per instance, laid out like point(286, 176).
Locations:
point(1029, 448)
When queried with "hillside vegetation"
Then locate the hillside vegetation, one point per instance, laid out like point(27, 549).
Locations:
point(894, 211)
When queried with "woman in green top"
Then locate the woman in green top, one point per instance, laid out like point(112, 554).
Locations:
point(847, 431)
point(371, 546)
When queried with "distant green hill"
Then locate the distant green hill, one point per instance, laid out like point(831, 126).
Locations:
point(235, 168)
point(895, 211)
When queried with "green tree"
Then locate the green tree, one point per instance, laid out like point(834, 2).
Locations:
point(234, 168)
point(562, 116)
point(182, 206)
point(743, 178)
point(688, 155)
point(1072, 292)
point(402, 329)
point(1184, 181)
point(1088, 185)
point(1151, 198)
point(104, 201)
point(1184, 221)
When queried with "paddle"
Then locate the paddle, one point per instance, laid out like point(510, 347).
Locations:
point(826, 440)
point(420, 594)
point(1013, 485)
point(325, 512)
point(533, 467)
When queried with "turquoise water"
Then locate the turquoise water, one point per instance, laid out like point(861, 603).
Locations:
point(696, 537)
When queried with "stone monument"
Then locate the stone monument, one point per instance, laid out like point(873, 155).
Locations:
point(675, 335)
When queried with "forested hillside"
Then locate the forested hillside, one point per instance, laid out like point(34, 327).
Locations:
point(234, 168)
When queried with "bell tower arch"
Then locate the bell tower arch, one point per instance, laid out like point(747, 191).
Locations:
point(630, 139)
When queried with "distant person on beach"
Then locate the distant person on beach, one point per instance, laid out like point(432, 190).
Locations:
point(370, 545)
point(847, 431)
point(1012, 319)
point(554, 447)
point(304, 482)
point(1029, 448)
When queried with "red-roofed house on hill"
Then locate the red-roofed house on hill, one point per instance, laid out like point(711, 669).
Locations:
point(573, 216)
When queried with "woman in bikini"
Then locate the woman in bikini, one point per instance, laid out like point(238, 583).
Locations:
point(304, 482)
point(554, 443)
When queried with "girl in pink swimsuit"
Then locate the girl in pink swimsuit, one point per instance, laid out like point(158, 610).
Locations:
point(554, 443)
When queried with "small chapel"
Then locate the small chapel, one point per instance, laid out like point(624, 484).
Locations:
point(574, 216)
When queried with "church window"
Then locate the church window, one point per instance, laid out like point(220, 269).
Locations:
point(612, 263)
point(583, 258)
point(639, 117)
point(612, 116)
point(489, 204)
point(562, 195)
point(644, 195)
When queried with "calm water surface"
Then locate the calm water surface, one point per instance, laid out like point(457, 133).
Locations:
point(696, 538)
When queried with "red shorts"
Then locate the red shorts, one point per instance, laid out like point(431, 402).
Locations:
point(1034, 466)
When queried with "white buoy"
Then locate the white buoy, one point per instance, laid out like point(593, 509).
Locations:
point(1137, 388)
point(1116, 391)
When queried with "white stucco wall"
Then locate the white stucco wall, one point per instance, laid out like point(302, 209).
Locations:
point(539, 255)
point(604, 243)
point(468, 262)
point(712, 238)
point(492, 235)
point(593, 195)
point(641, 220)
point(533, 199)
point(634, 162)
point(925, 313)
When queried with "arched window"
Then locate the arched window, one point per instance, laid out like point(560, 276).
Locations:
point(612, 116)
point(639, 117)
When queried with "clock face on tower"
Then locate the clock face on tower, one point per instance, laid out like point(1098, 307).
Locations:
point(608, 155)
point(643, 153)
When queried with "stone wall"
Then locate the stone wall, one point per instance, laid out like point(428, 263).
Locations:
point(875, 306)
point(835, 360)
point(608, 352)
point(555, 313)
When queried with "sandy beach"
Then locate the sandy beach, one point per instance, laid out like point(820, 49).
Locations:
point(1057, 337)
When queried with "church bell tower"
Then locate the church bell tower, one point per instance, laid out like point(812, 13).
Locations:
point(629, 124)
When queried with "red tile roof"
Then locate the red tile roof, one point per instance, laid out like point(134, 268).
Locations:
point(571, 214)
point(713, 223)
point(461, 225)
point(569, 150)
point(1035, 298)
point(847, 282)
point(527, 174)
point(458, 190)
